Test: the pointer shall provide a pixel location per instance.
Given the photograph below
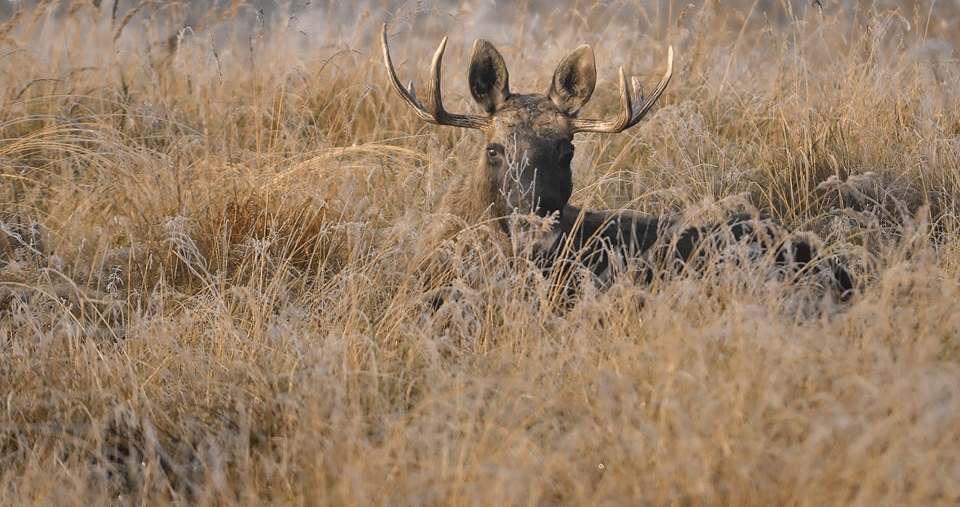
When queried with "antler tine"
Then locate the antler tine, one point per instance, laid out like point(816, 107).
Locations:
point(637, 89)
point(626, 105)
point(435, 105)
point(658, 90)
point(434, 111)
point(406, 95)
point(627, 117)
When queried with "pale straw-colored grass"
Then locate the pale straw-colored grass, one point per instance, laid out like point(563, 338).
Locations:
point(210, 222)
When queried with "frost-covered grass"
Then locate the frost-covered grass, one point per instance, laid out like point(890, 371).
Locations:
point(208, 291)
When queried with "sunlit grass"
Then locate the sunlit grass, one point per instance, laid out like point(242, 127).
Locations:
point(215, 228)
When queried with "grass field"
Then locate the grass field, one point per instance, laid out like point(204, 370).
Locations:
point(210, 223)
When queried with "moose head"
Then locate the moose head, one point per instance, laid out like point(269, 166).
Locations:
point(529, 137)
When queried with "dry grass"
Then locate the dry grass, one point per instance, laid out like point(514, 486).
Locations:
point(207, 292)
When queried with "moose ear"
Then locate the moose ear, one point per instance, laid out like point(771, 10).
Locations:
point(489, 82)
point(574, 80)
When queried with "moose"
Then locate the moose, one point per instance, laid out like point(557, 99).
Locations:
point(525, 168)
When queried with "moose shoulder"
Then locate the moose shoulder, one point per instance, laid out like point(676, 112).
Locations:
point(525, 168)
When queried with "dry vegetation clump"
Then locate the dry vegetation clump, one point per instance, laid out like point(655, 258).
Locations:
point(211, 226)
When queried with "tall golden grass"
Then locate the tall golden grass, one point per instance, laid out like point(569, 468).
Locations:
point(209, 221)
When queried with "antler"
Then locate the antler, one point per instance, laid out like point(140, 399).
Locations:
point(434, 111)
point(627, 117)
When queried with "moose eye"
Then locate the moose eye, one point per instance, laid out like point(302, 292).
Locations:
point(494, 152)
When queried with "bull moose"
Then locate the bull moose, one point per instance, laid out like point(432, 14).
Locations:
point(525, 168)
